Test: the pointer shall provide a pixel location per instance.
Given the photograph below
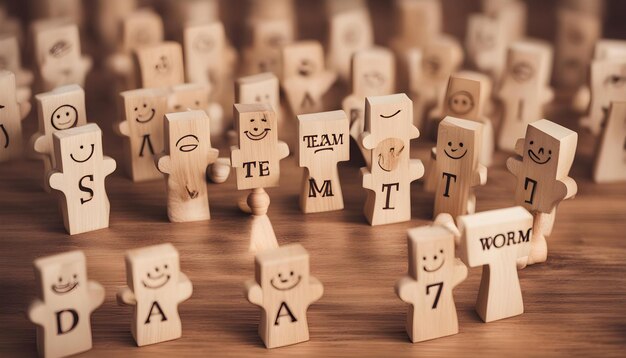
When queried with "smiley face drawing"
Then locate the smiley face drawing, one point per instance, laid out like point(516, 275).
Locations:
point(78, 155)
point(374, 79)
point(285, 281)
point(437, 262)
point(451, 151)
point(64, 117)
point(156, 278)
point(389, 152)
point(306, 67)
point(258, 128)
point(461, 103)
point(144, 113)
point(540, 157)
point(204, 43)
point(63, 286)
point(522, 71)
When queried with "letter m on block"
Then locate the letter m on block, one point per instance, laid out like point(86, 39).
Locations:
point(324, 191)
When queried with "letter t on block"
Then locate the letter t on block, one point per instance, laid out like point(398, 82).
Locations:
point(495, 240)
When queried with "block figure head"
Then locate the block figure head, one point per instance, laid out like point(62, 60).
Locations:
point(9, 111)
point(608, 78)
point(153, 270)
point(261, 88)
point(141, 28)
point(256, 124)
point(458, 142)
point(486, 42)
point(324, 138)
point(144, 108)
point(304, 59)
point(463, 99)
point(440, 59)
point(549, 149)
point(189, 96)
point(373, 72)
point(205, 41)
point(283, 272)
point(161, 65)
point(62, 278)
point(61, 109)
point(57, 43)
point(431, 253)
point(79, 148)
point(10, 53)
point(528, 66)
point(388, 116)
point(188, 137)
point(576, 37)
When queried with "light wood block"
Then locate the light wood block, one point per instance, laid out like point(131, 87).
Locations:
point(11, 60)
point(79, 175)
point(433, 273)
point(607, 85)
point(610, 163)
point(305, 80)
point(66, 299)
point(388, 133)
point(512, 14)
point(161, 65)
point(323, 143)
point(141, 126)
point(266, 38)
point(60, 9)
point(205, 55)
point(189, 96)
point(495, 240)
point(486, 44)
point(11, 115)
point(417, 23)
point(284, 288)
point(260, 88)
point(188, 153)
point(111, 14)
point(525, 89)
point(156, 287)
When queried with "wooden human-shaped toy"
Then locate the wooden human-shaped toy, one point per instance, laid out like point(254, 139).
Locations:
point(388, 133)
point(525, 89)
point(323, 143)
point(57, 110)
point(607, 85)
point(160, 65)
point(284, 289)
point(187, 155)
point(66, 299)
point(610, 164)
point(58, 54)
point(456, 167)
point(495, 240)
point(486, 44)
point(373, 74)
point(541, 167)
point(206, 56)
point(142, 129)
point(11, 60)
point(266, 38)
point(11, 115)
point(79, 174)
point(156, 287)
point(305, 79)
point(196, 96)
point(433, 273)
point(512, 14)
point(418, 23)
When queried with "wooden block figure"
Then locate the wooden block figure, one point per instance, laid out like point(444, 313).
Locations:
point(610, 163)
point(11, 60)
point(486, 44)
point(284, 289)
point(267, 36)
point(58, 54)
point(323, 143)
point(495, 240)
point(544, 158)
point(63, 309)
point(60, 109)
point(457, 169)
point(161, 65)
point(525, 89)
point(110, 14)
point(433, 273)
point(11, 115)
point(156, 287)
point(511, 13)
point(607, 85)
point(187, 155)
point(373, 74)
point(417, 23)
point(142, 129)
point(79, 174)
point(260, 88)
point(388, 133)
point(305, 79)
point(205, 51)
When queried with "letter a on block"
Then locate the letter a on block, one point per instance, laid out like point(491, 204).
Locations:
point(67, 299)
point(495, 240)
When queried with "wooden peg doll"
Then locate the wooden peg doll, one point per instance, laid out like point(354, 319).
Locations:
point(111, 14)
point(160, 65)
point(60, 109)
point(456, 166)
point(350, 30)
point(62, 312)
point(486, 44)
point(142, 129)
point(187, 155)
point(495, 240)
point(12, 113)
point(525, 89)
point(156, 287)
point(79, 174)
point(58, 54)
point(388, 133)
point(610, 164)
point(323, 143)
point(541, 167)
point(285, 289)
point(266, 39)
point(433, 273)
point(373, 74)
point(305, 79)
point(10, 60)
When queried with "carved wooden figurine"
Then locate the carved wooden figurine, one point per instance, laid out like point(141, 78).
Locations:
point(511, 13)
point(610, 163)
point(142, 129)
point(62, 312)
point(607, 85)
point(60, 109)
point(486, 44)
point(205, 55)
point(284, 289)
point(305, 80)
point(156, 287)
point(11, 115)
point(495, 240)
point(160, 65)
point(11, 60)
point(525, 89)
point(187, 155)
point(544, 158)
point(58, 54)
point(323, 143)
point(266, 38)
point(79, 174)
point(373, 74)
point(433, 273)
point(388, 133)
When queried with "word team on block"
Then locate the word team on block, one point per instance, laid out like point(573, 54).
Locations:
point(11, 115)
point(610, 164)
point(323, 143)
point(160, 65)
point(284, 289)
point(66, 300)
point(495, 240)
point(156, 287)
